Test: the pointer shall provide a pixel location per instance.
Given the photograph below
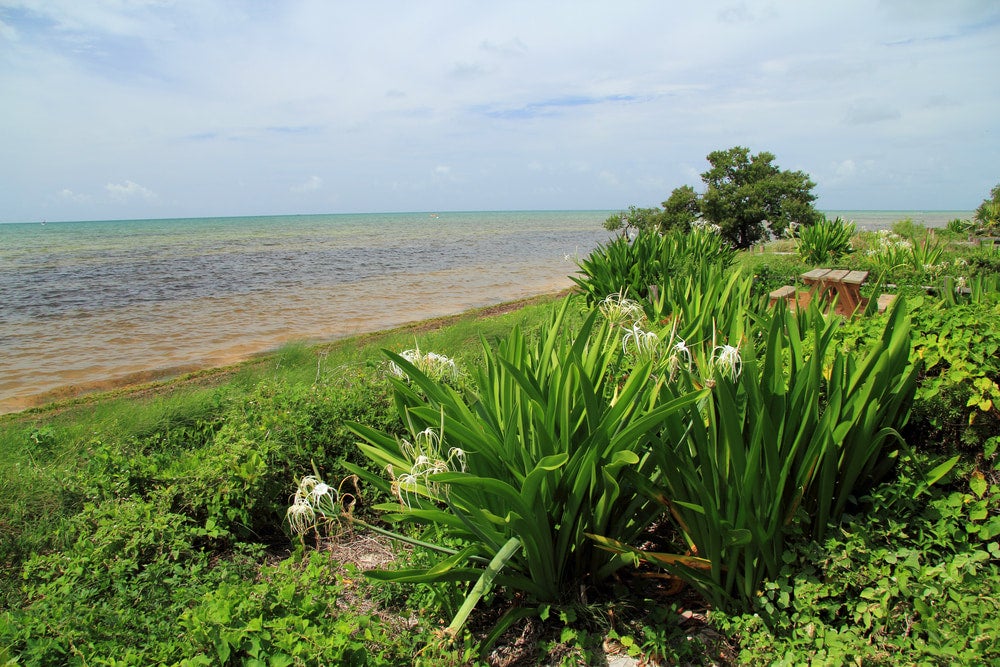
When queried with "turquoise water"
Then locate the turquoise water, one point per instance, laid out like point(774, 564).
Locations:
point(83, 303)
point(884, 219)
point(89, 302)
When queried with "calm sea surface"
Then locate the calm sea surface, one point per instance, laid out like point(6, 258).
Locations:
point(83, 303)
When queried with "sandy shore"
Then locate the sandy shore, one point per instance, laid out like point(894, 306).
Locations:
point(148, 381)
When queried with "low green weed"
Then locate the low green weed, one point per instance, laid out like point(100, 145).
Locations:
point(906, 582)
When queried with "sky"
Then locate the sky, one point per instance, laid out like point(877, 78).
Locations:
point(134, 109)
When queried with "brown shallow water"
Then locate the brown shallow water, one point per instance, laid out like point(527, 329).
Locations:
point(139, 343)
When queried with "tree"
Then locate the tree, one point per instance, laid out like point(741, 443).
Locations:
point(681, 209)
point(988, 213)
point(635, 218)
point(749, 197)
point(746, 195)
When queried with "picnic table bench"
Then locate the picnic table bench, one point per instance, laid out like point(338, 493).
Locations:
point(844, 284)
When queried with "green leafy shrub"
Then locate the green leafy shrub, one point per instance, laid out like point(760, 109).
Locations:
point(103, 595)
point(296, 614)
point(527, 462)
point(825, 240)
point(630, 268)
point(780, 443)
point(959, 394)
point(907, 581)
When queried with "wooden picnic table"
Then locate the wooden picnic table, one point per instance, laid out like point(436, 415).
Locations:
point(844, 284)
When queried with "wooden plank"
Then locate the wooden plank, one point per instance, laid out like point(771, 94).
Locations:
point(836, 275)
point(856, 277)
point(815, 274)
point(783, 292)
point(884, 301)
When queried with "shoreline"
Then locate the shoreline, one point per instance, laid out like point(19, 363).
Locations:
point(146, 382)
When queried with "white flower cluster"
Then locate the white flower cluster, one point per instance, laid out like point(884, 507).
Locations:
point(643, 345)
point(435, 366)
point(889, 237)
point(726, 362)
point(705, 226)
point(618, 309)
point(425, 459)
point(313, 498)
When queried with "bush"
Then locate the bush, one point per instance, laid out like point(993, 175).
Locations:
point(527, 463)
point(630, 268)
point(824, 241)
point(909, 580)
point(780, 443)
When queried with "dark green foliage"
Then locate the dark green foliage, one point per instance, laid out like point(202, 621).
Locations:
point(680, 210)
point(985, 260)
point(749, 197)
point(987, 214)
point(635, 219)
point(912, 579)
point(824, 241)
point(651, 259)
point(746, 196)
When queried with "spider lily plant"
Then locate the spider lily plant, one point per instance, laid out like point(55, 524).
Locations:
point(546, 432)
point(779, 445)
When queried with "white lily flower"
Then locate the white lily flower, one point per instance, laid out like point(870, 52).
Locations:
point(727, 362)
point(646, 343)
point(618, 309)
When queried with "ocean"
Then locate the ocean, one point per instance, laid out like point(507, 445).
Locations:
point(84, 304)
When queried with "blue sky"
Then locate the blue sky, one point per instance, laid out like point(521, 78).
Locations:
point(154, 108)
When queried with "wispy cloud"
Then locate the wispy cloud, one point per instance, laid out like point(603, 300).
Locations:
point(311, 184)
point(129, 190)
point(554, 105)
point(217, 102)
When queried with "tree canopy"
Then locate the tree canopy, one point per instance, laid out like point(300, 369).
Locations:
point(988, 213)
point(746, 195)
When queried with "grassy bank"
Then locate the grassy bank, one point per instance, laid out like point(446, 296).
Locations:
point(148, 525)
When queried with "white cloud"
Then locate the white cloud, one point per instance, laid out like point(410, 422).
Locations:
point(68, 195)
point(128, 191)
point(845, 169)
point(311, 184)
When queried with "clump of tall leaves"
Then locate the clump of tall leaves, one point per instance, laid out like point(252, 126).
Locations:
point(527, 462)
point(825, 240)
point(890, 252)
point(630, 268)
point(780, 443)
